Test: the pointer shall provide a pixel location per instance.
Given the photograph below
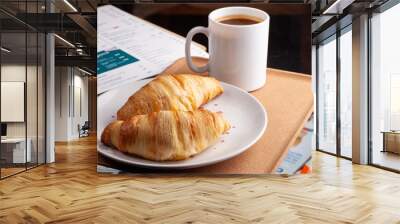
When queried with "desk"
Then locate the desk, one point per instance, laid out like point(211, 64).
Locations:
point(391, 141)
point(13, 150)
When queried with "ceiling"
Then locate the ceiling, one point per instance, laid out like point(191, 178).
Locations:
point(72, 20)
point(76, 21)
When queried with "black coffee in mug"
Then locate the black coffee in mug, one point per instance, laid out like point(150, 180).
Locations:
point(239, 20)
point(237, 45)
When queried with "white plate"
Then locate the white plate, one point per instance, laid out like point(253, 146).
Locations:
point(244, 112)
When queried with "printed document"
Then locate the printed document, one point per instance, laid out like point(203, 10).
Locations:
point(130, 48)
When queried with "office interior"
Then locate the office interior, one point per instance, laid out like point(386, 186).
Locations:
point(357, 85)
point(48, 84)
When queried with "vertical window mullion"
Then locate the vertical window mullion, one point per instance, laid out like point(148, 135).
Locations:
point(338, 80)
point(369, 90)
point(26, 87)
point(37, 89)
point(317, 96)
point(44, 81)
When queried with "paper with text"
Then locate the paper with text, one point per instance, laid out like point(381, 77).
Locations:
point(130, 48)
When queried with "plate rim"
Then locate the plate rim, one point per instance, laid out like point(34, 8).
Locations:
point(161, 165)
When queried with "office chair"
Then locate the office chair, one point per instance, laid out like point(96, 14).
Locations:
point(84, 130)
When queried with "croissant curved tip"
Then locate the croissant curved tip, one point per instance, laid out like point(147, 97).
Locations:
point(227, 126)
point(226, 123)
point(106, 135)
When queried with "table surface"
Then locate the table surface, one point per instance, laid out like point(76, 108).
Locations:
point(287, 97)
point(13, 140)
point(391, 132)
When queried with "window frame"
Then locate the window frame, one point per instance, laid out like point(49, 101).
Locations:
point(334, 37)
point(27, 29)
point(378, 10)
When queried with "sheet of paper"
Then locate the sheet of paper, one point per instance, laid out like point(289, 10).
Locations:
point(129, 48)
point(299, 154)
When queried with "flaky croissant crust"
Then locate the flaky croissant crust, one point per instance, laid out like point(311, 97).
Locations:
point(166, 135)
point(184, 92)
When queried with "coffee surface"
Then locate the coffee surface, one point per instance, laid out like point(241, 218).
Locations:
point(239, 20)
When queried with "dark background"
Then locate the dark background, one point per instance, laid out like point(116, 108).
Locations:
point(290, 27)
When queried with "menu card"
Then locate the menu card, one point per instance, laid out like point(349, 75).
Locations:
point(130, 48)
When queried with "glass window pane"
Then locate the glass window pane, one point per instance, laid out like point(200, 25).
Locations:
point(13, 86)
point(386, 88)
point(31, 97)
point(327, 96)
point(23, 87)
point(41, 98)
point(32, 88)
point(346, 93)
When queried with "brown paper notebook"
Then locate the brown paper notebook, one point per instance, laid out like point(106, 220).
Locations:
point(288, 99)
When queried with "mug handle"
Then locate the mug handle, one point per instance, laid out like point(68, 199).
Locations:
point(189, 37)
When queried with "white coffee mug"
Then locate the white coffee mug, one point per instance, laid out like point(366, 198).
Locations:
point(238, 53)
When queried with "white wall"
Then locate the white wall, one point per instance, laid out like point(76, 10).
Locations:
point(70, 83)
point(15, 72)
point(33, 127)
point(81, 83)
point(62, 81)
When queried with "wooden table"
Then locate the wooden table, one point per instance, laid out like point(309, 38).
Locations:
point(13, 150)
point(391, 141)
point(288, 99)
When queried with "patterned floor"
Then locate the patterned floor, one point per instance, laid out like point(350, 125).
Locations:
point(70, 191)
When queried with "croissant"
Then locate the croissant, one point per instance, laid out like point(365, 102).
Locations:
point(171, 92)
point(166, 135)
